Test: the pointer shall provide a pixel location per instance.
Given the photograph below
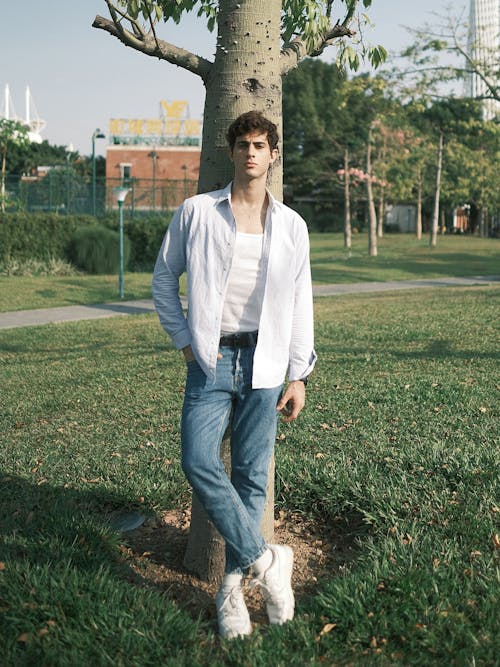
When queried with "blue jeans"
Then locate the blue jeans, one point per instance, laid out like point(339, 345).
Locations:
point(235, 506)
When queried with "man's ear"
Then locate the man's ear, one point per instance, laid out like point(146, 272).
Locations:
point(274, 155)
point(230, 153)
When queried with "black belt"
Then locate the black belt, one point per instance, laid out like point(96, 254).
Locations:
point(244, 339)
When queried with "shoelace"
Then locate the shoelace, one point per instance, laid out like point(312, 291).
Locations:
point(231, 600)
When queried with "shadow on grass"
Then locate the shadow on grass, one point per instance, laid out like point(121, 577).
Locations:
point(68, 529)
point(361, 268)
point(437, 349)
point(64, 528)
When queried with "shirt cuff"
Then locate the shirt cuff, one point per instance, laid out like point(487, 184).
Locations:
point(297, 371)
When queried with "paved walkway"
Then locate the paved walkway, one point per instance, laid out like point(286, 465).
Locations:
point(39, 316)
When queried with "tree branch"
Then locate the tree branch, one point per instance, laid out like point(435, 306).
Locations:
point(147, 43)
point(297, 49)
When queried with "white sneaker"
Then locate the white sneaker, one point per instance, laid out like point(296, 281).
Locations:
point(276, 585)
point(232, 612)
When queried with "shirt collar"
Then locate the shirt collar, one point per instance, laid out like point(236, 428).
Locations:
point(225, 195)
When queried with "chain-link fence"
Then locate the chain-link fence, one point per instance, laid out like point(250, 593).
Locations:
point(63, 191)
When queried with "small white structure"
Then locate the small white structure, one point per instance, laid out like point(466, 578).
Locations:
point(31, 119)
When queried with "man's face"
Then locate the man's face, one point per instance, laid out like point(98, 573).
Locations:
point(252, 155)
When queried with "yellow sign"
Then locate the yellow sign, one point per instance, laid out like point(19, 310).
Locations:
point(174, 123)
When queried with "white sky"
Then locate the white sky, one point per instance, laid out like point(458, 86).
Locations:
point(81, 77)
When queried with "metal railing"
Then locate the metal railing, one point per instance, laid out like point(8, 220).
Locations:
point(65, 192)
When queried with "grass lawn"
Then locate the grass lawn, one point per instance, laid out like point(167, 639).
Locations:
point(401, 257)
point(398, 445)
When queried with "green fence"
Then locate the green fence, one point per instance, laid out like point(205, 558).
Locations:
point(64, 192)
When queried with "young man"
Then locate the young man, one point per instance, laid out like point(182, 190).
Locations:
point(249, 321)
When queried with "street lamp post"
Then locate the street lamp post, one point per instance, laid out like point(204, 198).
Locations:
point(154, 156)
point(184, 169)
point(121, 194)
point(69, 150)
point(97, 134)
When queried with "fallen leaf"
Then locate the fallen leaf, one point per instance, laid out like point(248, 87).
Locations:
point(495, 541)
point(24, 638)
point(2, 566)
point(42, 632)
point(483, 409)
point(373, 642)
point(325, 630)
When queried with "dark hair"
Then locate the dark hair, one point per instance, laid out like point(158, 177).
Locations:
point(252, 121)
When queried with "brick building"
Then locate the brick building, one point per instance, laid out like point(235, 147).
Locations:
point(158, 159)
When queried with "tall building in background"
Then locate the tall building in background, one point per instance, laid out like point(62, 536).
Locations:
point(484, 48)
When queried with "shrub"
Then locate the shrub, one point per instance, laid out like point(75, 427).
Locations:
point(145, 233)
point(96, 249)
point(36, 267)
point(41, 236)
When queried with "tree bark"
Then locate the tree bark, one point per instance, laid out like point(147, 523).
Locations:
point(372, 216)
point(245, 75)
point(381, 213)
point(435, 215)
point(347, 200)
point(2, 193)
point(419, 206)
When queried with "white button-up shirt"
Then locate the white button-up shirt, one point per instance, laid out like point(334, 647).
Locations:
point(200, 241)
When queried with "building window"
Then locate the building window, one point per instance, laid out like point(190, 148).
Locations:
point(125, 173)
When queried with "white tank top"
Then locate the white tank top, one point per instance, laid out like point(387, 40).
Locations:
point(245, 288)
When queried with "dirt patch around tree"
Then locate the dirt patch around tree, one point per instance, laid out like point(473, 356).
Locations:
point(155, 554)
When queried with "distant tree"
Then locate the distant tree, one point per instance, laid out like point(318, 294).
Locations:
point(327, 120)
point(25, 158)
point(443, 53)
point(12, 134)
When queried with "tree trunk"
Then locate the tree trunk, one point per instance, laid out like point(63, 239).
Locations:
point(482, 220)
point(347, 200)
point(246, 40)
point(372, 216)
point(419, 206)
point(381, 212)
point(435, 215)
point(2, 193)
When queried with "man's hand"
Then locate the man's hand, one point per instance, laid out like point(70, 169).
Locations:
point(188, 353)
point(189, 356)
point(292, 401)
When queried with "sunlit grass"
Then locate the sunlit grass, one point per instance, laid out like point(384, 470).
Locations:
point(401, 257)
point(399, 439)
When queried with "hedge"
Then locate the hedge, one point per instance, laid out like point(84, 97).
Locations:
point(42, 236)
